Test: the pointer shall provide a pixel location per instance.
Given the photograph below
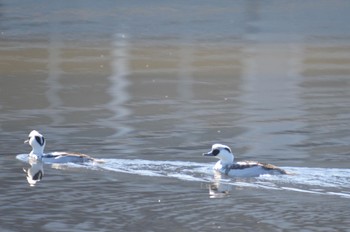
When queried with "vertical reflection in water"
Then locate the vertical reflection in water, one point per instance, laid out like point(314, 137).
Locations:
point(185, 91)
point(271, 92)
point(54, 73)
point(35, 173)
point(119, 86)
point(218, 189)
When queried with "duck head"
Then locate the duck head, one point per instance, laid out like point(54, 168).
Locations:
point(37, 142)
point(221, 152)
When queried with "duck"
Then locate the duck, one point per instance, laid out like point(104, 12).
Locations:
point(38, 142)
point(227, 165)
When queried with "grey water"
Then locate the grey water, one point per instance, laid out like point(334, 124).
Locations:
point(148, 86)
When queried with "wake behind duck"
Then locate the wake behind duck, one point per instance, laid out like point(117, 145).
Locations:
point(226, 164)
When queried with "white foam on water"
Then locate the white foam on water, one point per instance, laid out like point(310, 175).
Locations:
point(321, 181)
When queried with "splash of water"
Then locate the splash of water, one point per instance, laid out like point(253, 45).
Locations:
point(321, 181)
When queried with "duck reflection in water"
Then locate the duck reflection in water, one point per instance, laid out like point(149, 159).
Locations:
point(218, 188)
point(35, 173)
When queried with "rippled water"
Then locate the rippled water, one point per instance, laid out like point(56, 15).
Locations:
point(300, 179)
point(149, 86)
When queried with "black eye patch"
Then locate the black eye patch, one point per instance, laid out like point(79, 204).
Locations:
point(40, 140)
point(216, 152)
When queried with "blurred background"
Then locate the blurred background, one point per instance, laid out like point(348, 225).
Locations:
point(265, 76)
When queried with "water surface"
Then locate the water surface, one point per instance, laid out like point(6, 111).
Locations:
point(151, 86)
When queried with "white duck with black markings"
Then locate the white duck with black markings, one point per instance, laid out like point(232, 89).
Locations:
point(227, 165)
point(38, 142)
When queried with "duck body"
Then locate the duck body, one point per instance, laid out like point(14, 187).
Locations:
point(227, 166)
point(65, 157)
point(248, 169)
point(38, 142)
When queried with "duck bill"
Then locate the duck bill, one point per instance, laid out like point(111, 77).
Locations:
point(208, 154)
point(26, 141)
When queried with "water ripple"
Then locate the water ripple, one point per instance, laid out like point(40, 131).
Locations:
point(322, 181)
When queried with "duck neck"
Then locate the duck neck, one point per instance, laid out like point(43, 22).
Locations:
point(222, 164)
point(37, 152)
point(227, 161)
